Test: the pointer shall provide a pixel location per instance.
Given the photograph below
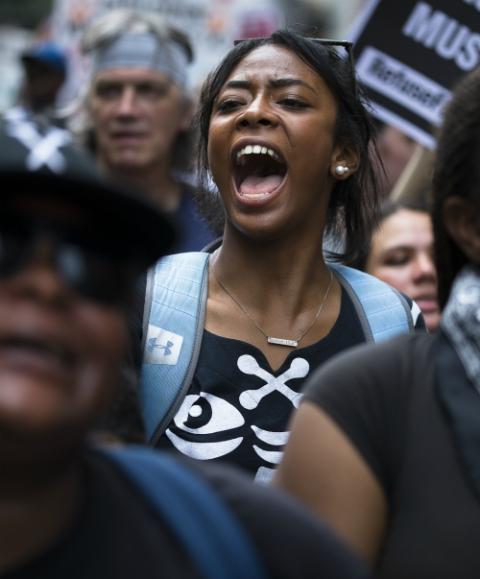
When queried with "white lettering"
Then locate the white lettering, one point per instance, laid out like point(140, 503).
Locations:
point(402, 84)
point(423, 29)
point(474, 3)
point(450, 39)
point(469, 56)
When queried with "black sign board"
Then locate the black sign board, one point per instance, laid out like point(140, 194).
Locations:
point(409, 54)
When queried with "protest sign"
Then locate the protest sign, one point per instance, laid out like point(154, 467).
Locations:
point(409, 54)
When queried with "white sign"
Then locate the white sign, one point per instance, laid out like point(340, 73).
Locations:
point(410, 54)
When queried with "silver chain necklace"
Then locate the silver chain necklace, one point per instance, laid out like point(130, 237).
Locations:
point(270, 339)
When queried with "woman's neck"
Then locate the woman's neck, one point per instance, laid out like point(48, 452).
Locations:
point(35, 510)
point(281, 269)
point(281, 290)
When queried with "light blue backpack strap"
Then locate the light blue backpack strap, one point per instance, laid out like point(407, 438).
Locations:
point(382, 310)
point(173, 327)
point(217, 544)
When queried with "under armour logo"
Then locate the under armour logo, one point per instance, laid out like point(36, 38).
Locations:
point(43, 149)
point(167, 348)
point(162, 346)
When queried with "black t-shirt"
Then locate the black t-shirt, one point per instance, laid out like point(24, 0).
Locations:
point(384, 398)
point(237, 408)
point(117, 535)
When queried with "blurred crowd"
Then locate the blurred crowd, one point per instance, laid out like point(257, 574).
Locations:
point(230, 344)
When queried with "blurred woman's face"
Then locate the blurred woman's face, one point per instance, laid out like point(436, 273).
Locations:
point(60, 351)
point(401, 255)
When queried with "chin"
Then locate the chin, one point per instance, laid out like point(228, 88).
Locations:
point(129, 165)
point(38, 414)
point(127, 160)
point(36, 440)
point(264, 228)
point(432, 320)
point(34, 421)
point(255, 232)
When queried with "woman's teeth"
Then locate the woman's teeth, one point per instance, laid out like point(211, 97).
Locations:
point(255, 150)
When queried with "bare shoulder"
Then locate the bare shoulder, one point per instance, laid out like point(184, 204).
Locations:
point(324, 470)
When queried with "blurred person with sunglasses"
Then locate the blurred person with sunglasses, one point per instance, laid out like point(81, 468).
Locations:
point(72, 508)
point(284, 138)
point(139, 110)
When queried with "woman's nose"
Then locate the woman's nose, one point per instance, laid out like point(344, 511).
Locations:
point(257, 112)
point(424, 266)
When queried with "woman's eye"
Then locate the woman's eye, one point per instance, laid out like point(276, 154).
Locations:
point(229, 105)
point(293, 103)
point(397, 260)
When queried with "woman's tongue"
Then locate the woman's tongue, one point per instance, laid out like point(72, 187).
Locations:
point(254, 185)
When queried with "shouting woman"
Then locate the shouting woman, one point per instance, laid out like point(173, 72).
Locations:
point(284, 136)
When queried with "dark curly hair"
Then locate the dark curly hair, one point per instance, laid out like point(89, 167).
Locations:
point(456, 173)
point(354, 201)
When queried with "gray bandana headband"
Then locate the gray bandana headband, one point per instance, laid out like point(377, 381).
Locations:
point(144, 50)
point(461, 321)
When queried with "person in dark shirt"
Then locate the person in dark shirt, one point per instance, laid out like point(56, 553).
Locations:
point(45, 68)
point(139, 108)
point(386, 444)
point(68, 270)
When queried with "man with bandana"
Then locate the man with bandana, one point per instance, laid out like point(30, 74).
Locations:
point(140, 111)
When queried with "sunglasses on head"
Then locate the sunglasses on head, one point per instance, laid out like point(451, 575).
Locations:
point(89, 263)
point(325, 41)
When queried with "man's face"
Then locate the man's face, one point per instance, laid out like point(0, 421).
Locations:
point(137, 115)
point(42, 84)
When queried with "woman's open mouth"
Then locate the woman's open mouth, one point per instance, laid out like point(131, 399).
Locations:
point(259, 172)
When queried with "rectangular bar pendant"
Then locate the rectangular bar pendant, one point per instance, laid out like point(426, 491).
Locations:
point(282, 342)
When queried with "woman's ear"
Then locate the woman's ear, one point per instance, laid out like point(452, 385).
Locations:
point(345, 162)
point(462, 221)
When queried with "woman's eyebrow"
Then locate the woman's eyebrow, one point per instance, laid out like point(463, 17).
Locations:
point(242, 84)
point(398, 247)
point(288, 82)
point(273, 83)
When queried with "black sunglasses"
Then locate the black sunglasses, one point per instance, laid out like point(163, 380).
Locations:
point(91, 264)
point(325, 41)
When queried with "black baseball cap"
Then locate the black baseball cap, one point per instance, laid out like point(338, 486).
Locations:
point(43, 160)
